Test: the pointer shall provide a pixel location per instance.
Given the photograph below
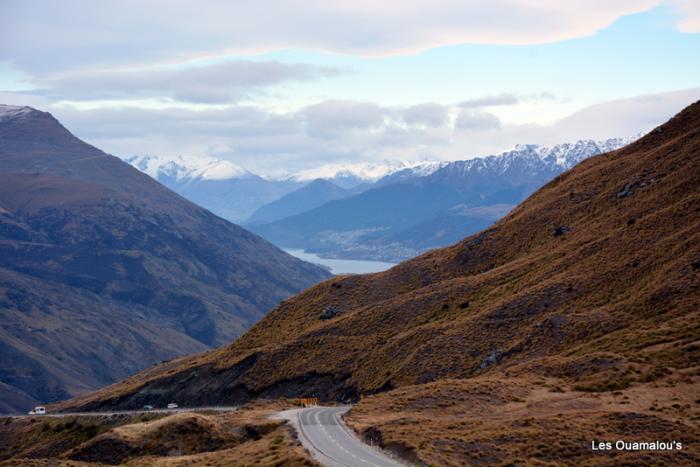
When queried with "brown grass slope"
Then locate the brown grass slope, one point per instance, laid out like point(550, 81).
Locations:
point(598, 268)
point(242, 438)
point(530, 419)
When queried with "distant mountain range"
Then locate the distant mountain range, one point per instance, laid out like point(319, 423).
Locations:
point(408, 212)
point(104, 271)
point(350, 175)
point(235, 193)
point(388, 210)
point(220, 186)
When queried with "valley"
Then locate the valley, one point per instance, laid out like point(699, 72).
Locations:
point(387, 212)
point(349, 234)
point(525, 342)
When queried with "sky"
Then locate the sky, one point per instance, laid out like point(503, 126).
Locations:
point(281, 86)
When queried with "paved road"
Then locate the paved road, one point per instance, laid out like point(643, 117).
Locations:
point(333, 442)
point(129, 412)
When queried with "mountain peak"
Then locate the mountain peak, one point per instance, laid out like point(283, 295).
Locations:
point(321, 182)
point(365, 171)
point(24, 114)
point(27, 124)
point(349, 174)
point(15, 111)
point(188, 168)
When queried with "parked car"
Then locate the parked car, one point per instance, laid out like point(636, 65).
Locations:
point(172, 405)
point(31, 412)
point(147, 407)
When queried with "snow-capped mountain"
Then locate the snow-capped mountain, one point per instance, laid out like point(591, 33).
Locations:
point(529, 160)
point(569, 154)
point(235, 193)
point(403, 215)
point(535, 157)
point(421, 169)
point(188, 168)
point(348, 175)
point(12, 112)
point(223, 187)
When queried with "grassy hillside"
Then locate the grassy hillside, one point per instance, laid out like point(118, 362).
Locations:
point(595, 272)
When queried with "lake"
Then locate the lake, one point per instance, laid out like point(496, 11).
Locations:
point(342, 266)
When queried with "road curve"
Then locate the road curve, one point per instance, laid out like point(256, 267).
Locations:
point(324, 433)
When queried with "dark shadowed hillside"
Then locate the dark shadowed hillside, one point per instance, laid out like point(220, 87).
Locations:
point(595, 271)
point(103, 271)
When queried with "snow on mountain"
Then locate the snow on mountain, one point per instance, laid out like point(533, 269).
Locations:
point(349, 174)
point(368, 171)
point(188, 168)
point(220, 186)
point(14, 111)
point(569, 154)
point(363, 172)
point(532, 158)
point(235, 193)
point(528, 157)
point(422, 169)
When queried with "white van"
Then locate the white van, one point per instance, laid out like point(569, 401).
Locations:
point(39, 410)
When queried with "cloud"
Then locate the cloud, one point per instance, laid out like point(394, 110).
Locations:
point(41, 37)
point(346, 131)
point(505, 99)
point(500, 99)
point(220, 83)
point(330, 118)
point(476, 120)
point(624, 116)
point(615, 118)
point(428, 114)
point(690, 15)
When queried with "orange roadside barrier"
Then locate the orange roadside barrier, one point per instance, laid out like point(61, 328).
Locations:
point(308, 401)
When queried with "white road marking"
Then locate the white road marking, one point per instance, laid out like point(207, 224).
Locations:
point(332, 443)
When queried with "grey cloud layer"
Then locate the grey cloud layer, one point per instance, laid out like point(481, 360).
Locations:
point(476, 120)
point(351, 131)
point(331, 118)
point(428, 114)
point(505, 99)
point(221, 83)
